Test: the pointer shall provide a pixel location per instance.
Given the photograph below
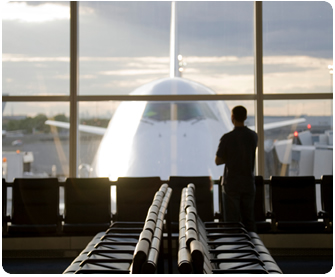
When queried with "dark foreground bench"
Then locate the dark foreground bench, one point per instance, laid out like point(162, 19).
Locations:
point(127, 247)
point(220, 248)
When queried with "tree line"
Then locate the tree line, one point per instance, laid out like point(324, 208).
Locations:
point(37, 124)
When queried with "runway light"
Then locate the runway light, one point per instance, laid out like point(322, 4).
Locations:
point(296, 133)
point(309, 126)
point(17, 151)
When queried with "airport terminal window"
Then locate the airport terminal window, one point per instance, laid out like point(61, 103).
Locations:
point(299, 149)
point(35, 48)
point(185, 111)
point(216, 43)
point(122, 45)
point(297, 46)
point(31, 148)
point(92, 114)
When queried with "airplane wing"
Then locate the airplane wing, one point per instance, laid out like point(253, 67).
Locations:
point(83, 128)
point(101, 131)
point(273, 125)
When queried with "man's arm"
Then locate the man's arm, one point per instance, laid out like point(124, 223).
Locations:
point(219, 160)
point(219, 157)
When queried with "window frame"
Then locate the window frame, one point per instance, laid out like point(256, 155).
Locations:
point(258, 97)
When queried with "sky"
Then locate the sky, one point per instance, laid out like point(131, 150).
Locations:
point(123, 45)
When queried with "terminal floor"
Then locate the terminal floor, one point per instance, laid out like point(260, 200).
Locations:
point(288, 264)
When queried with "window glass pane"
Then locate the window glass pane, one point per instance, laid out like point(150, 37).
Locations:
point(122, 45)
point(152, 138)
point(216, 42)
point(30, 147)
point(298, 46)
point(94, 118)
point(301, 149)
point(35, 48)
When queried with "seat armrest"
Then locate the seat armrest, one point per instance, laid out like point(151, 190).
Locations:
point(7, 218)
point(323, 214)
point(270, 214)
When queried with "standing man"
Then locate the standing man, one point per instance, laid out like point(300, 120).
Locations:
point(237, 151)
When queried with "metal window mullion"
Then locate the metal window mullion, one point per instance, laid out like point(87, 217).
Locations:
point(298, 96)
point(209, 97)
point(205, 97)
point(73, 139)
point(259, 104)
point(31, 98)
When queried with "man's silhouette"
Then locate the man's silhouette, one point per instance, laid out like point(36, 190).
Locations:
point(237, 151)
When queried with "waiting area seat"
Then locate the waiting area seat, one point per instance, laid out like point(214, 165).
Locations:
point(35, 207)
point(129, 248)
point(293, 205)
point(204, 196)
point(5, 218)
point(263, 225)
point(227, 248)
point(134, 190)
point(327, 199)
point(87, 205)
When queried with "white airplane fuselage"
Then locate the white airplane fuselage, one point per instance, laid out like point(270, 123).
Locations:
point(164, 138)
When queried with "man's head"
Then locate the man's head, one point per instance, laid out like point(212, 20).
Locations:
point(238, 115)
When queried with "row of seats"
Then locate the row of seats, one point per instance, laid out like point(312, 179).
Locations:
point(35, 207)
point(128, 247)
point(136, 247)
point(221, 248)
point(35, 204)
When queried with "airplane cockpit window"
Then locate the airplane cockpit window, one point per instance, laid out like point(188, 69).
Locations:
point(181, 111)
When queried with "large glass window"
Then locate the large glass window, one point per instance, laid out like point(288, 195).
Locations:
point(298, 46)
point(131, 46)
point(303, 148)
point(216, 43)
point(123, 45)
point(151, 138)
point(30, 147)
point(94, 118)
point(35, 48)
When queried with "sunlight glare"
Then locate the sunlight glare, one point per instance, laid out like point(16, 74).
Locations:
point(118, 140)
point(31, 13)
